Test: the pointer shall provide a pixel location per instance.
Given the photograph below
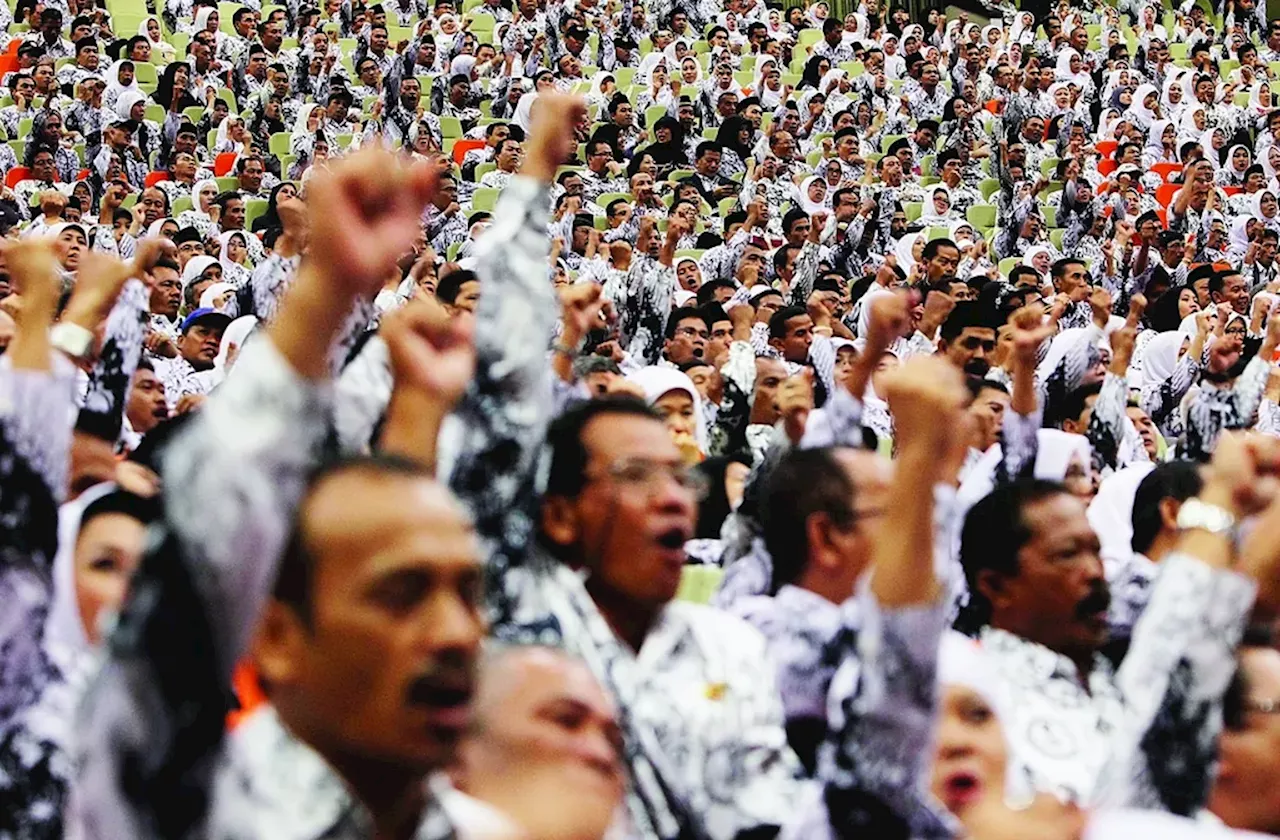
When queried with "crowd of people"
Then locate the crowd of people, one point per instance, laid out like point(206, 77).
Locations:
point(583, 420)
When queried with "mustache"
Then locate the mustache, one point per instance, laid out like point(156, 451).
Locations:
point(449, 680)
point(1098, 600)
point(977, 367)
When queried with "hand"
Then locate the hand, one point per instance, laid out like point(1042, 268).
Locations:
point(1029, 332)
point(364, 212)
point(937, 306)
point(795, 402)
point(33, 271)
point(98, 285)
point(551, 137)
point(188, 403)
point(1100, 305)
point(430, 352)
point(926, 397)
point(1244, 475)
point(817, 224)
point(580, 306)
point(1123, 339)
point(137, 479)
point(158, 344)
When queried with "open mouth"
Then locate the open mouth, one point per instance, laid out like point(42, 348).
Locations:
point(961, 789)
point(446, 705)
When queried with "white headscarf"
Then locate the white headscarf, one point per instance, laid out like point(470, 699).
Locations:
point(1023, 30)
point(209, 299)
point(158, 224)
point(1161, 356)
point(1257, 206)
point(300, 121)
point(524, 110)
point(656, 381)
point(236, 333)
point(196, 190)
point(644, 73)
point(224, 239)
point(810, 206)
point(1033, 252)
point(1155, 139)
point(113, 78)
point(1137, 105)
point(224, 129)
point(1231, 152)
point(142, 30)
point(195, 267)
point(903, 250)
point(126, 100)
point(1063, 71)
point(64, 624)
point(1055, 452)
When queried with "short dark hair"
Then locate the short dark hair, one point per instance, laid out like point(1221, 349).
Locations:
point(683, 313)
point(1171, 480)
point(448, 287)
point(707, 146)
point(932, 247)
point(804, 482)
point(793, 215)
point(994, 532)
point(1059, 267)
point(966, 314)
point(778, 321)
point(564, 440)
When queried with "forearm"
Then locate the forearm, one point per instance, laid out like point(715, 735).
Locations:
point(904, 573)
point(413, 426)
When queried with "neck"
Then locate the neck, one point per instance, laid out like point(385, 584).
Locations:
point(630, 621)
point(394, 796)
point(1163, 544)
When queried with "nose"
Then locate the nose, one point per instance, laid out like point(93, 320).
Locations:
point(453, 625)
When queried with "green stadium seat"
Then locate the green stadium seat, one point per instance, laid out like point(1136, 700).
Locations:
point(982, 215)
point(484, 199)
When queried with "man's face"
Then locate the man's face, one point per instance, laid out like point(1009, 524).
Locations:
point(146, 407)
point(1235, 293)
point(509, 157)
point(258, 65)
point(688, 276)
point(152, 201)
point(378, 40)
point(642, 186)
point(891, 170)
point(971, 350)
point(794, 345)
point(1266, 250)
point(929, 76)
point(1059, 596)
point(166, 294)
point(770, 373)
point(1146, 429)
point(688, 342)
point(233, 215)
point(273, 36)
point(631, 518)
point(709, 163)
point(382, 667)
point(543, 725)
point(988, 409)
point(944, 262)
point(88, 58)
point(1072, 279)
point(251, 177)
point(468, 296)
point(1245, 795)
point(623, 115)
point(199, 345)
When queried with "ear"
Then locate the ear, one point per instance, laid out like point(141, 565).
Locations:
point(278, 645)
point(992, 586)
point(560, 520)
point(776, 343)
point(817, 531)
point(1169, 508)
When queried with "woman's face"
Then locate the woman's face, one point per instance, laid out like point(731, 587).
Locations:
point(648, 167)
point(1240, 157)
point(138, 111)
point(971, 752)
point(1126, 98)
point(125, 76)
point(1079, 479)
point(818, 190)
point(1150, 102)
point(1061, 98)
point(1170, 134)
point(663, 134)
point(1198, 119)
point(1218, 139)
point(846, 358)
point(153, 30)
point(207, 195)
point(941, 202)
point(236, 249)
point(884, 369)
point(1273, 157)
point(1074, 64)
point(689, 71)
point(74, 242)
point(676, 410)
point(108, 549)
point(1268, 205)
point(1187, 303)
point(1040, 262)
point(824, 67)
point(660, 75)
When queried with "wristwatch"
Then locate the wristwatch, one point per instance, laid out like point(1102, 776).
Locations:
point(1195, 515)
point(72, 339)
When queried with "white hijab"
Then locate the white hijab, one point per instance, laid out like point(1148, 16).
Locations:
point(64, 625)
point(126, 100)
point(524, 111)
point(656, 381)
point(1055, 451)
point(113, 78)
point(810, 206)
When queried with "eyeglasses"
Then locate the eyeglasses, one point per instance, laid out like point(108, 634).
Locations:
point(647, 476)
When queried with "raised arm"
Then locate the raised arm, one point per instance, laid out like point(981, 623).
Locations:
point(153, 723)
point(505, 412)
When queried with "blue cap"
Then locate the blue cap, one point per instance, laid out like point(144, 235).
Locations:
point(207, 315)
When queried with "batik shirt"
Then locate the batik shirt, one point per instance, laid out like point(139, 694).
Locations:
point(1215, 410)
point(43, 680)
point(1144, 735)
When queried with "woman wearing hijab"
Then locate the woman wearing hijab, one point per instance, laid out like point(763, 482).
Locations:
point(726, 478)
point(232, 256)
point(200, 216)
point(131, 105)
point(668, 149)
point(673, 395)
point(150, 29)
point(813, 196)
point(814, 69)
point(121, 76)
point(232, 135)
point(938, 210)
point(1144, 108)
point(1235, 164)
point(1161, 145)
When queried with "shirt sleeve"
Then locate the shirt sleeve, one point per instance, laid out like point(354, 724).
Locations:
point(152, 725)
point(505, 412)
